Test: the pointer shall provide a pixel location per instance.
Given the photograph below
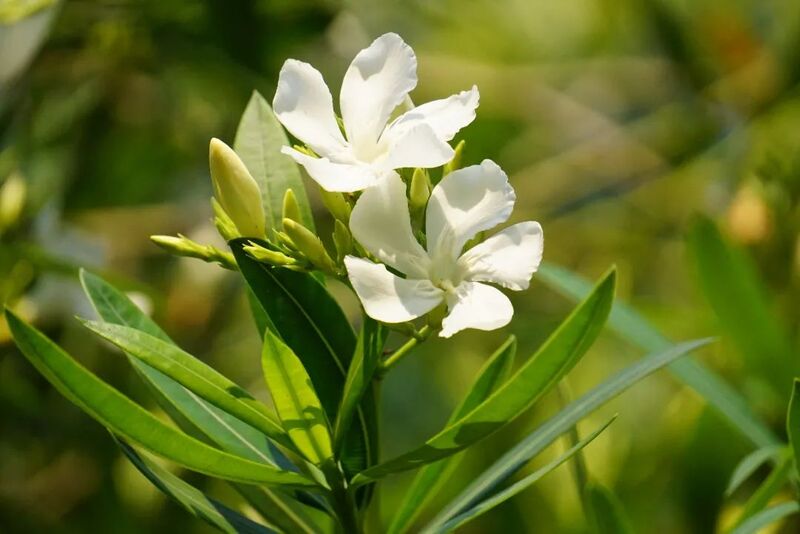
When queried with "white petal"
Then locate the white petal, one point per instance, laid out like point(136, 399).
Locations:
point(508, 258)
point(304, 106)
point(417, 147)
point(446, 116)
point(389, 298)
point(380, 222)
point(465, 202)
point(475, 305)
point(377, 81)
point(342, 177)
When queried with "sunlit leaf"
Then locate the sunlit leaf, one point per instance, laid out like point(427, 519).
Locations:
point(132, 422)
point(431, 478)
point(554, 359)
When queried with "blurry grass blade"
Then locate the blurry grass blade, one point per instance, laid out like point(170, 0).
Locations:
point(509, 492)
point(767, 517)
point(793, 422)
point(749, 464)
point(628, 324)
point(769, 488)
point(194, 375)
point(359, 375)
point(738, 298)
point(129, 420)
point(605, 511)
point(432, 477)
point(560, 423)
point(192, 499)
point(554, 359)
point(295, 400)
point(258, 142)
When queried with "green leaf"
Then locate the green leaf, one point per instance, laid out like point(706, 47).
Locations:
point(296, 401)
point(766, 517)
point(628, 324)
point(557, 425)
point(199, 418)
point(365, 360)
point(793, 422)
point(132, 422)
point(552, 361)
point(194, 375)
point(192, 499)
point(605, 512)
point(736, 293)
point(509, 492)
point(258, 142)
point(431, 478)
point(749, 464)
point(776, 480)
point(311, 323)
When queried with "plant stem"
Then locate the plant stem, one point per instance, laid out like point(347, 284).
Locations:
point(343, 504)
point(400, 353)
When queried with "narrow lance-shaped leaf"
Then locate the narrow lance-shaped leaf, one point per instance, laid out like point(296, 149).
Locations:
point(557, 425)
point(766, 517)
point(296, 401)
point(431, 478)
point(605, 511)
point(192, 499)
point(793, 422)
point(552, 361)
point(509, 492)
point(194, 375)
point(628, 324)
point(132, 422)
point(750, 464)
point(258, 142)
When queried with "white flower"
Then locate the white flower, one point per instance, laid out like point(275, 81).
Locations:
point(465, 202)
point(377, 82)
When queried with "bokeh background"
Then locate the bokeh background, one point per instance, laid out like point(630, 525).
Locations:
point(620, 123)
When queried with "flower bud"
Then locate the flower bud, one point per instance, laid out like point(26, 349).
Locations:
point(455, 163)
point(420, 190)
point(336, 204)
point(183, 246)
point(309, 245)
point(236, 190)
point(342, 239)
point(224, 224)
point(12, 200)
point(291, 209)
point(273, 257)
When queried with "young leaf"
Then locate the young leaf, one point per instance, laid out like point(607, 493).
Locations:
point(509, 492)
point(552, 361)
point(312, 324)
point(557, 425)
point(359, 375)
point(296, 401)
point(749, 464)
point(605, 512)
point(767, 517)
point(194, 375)
point(431, 478)
point(258, 142)
point(628, 324)
point(129, 420)
point(192, 499)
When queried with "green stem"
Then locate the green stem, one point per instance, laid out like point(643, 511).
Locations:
point(343, 503)
point(400, 353)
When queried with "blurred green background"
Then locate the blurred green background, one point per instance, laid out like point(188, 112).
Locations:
point(619, 122)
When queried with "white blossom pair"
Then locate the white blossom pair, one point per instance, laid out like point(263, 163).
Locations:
point(464, 203)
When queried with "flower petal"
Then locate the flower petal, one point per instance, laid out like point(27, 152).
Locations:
point(465, 202)
point(341, 177)
point(304, 106)
point(389, 298)
point(418, 146)
point(380, 222)
point(446, 116)
point(377, 81)
point(475, 305)
point(508, 258)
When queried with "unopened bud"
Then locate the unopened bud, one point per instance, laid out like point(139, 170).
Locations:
point(309, 245)
point(342, 239)
point(420, 190)
point(225, 226)
point(337, 205)
point(455, 163)
point(291, 209)
point(183, 246)
point(273, 257)
point(236, 190)
point(12, 200)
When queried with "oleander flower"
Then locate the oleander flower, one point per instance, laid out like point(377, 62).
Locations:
point(376, 83)
point(464, 203)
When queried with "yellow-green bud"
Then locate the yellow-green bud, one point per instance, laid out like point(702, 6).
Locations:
point(309, 245)
point(236, 190)
point(337, 205)
point(455, 163)
point(12, 200)
point(291, 209)
point(420, 190)
point(266, 255)
point(342, 239)
point(224, 224)
point(183, 246)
